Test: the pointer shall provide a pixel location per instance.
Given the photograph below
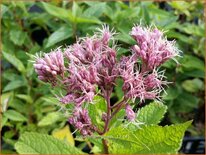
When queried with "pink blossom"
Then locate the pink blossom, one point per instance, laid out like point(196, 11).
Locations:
point(130, 113)
point(81, 120)
point(153, 48)
point(50, 66)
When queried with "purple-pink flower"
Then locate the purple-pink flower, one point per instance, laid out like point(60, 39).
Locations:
point(81, 121)
point(153, 48)
point(91, 65)
point(130, 113)
point(50, 66)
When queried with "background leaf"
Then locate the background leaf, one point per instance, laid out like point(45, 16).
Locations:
point(14, 61)
point(15, 116)
point(61, 34)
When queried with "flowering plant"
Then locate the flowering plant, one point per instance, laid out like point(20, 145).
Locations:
point(87, 73)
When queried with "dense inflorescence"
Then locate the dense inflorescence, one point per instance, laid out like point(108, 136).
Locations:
point(91, 64)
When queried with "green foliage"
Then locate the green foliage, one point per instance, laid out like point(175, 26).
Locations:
point(152, 113)
point(96, 110)
point(15, 116)
point(148, 139)
point(35, 143)
point(30, 27)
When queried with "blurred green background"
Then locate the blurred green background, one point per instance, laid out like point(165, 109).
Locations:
point(27, 104)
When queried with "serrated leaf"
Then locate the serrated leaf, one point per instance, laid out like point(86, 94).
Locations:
point(61, 34)
point(118, 88)
point(14, 61)
point(49, 119)
point(149, 139)
point(152, 113)
point(96, 110)
point(35, 143)
point(64, 134)
point(15, 116)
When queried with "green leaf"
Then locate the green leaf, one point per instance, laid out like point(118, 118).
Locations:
point(49, 119)
point(4, 9)
point(13, 85)
point(35, 143)
point(186, 102)
point(193, 85)
point(14, 61)
point(27, 98)
point(58, 12)
point(87, 20)
point(192, 62)
point(17, 36)
point(5, 99)
point(96, 110)
point(61, 34)
point(149, 139)
point(76, 10)
point(171, 93)
point(152, 113)
point(95, 10)
point(15, 116)
point(118, 88)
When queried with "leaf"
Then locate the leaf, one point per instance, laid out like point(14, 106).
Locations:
point(118, 88)
point(171, 93)
point(149, 139)
point(58, 12)
point(27, 98)
point(14, 61)
point(95, 10)
point(4, 9)
point(186, 102)
point(124, 38)
point(192, 62)
point(13, 85)
point(64, 134)
point(76, 10)
point(49, 119)
point(96, 110)
point(17, 36)
point(152, 113)
point(15, 116)
point(5, 99)
point(35, 143)
point(61, 34)
point(87, 20)
point(193, 85)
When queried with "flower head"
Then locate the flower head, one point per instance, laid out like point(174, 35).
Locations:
point(50, 66)
point(153, 48)
point(81, 120)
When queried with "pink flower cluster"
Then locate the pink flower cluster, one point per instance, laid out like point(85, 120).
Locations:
point(82, 121)
point(153, 48)
point(91, 64)
point(50, 66)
